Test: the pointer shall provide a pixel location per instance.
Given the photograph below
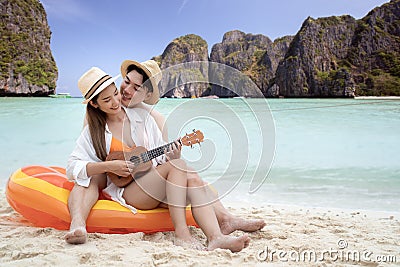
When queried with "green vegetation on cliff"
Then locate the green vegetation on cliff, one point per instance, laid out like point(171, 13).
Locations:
point(184, 49)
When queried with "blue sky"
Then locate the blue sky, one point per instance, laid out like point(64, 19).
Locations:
point(103, 33)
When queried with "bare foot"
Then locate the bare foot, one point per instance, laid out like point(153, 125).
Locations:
point(192, 244)
point(232, 224)
point(234, 244)
point(76, 236)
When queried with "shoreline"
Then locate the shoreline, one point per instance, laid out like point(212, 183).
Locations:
point(290, 229)
point(377, 97)
point(294, 207)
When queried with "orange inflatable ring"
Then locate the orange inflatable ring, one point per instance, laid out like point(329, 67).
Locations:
point(40, 194)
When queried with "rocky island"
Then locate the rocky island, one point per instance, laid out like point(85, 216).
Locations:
point(27, 66)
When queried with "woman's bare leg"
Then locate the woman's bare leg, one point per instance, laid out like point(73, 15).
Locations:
point(176, 192)
point(168, 183)
point(80, 202)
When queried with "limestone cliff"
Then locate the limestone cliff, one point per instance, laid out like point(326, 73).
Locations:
point(254, 55)
point(311, 65)
point(342, 57)
point(177, 82)
point(27, 66)
point(374, 56)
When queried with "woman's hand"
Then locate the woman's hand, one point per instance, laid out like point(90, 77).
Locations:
point(120, 167)
point(174, 151)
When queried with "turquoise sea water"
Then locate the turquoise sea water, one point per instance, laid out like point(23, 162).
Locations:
point(326, 152)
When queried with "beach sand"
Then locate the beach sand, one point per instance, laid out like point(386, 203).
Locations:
point(335, 236)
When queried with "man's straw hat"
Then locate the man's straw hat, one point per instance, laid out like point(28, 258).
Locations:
point(153, 71)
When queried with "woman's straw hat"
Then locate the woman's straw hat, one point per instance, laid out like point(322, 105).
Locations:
point(151, 68)
point(92, 82)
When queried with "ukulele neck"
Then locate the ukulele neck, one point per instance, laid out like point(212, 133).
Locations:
point(156, 152)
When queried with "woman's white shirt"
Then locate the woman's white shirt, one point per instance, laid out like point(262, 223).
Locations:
point(144, 132)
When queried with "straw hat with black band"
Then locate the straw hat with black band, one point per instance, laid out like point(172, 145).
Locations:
point(152, 70)
point(92, 82)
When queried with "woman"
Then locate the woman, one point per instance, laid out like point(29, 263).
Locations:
point(110, 125)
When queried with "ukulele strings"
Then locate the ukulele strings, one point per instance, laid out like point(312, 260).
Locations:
point(151, 154)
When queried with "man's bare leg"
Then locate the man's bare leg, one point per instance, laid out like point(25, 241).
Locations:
point(227, 221)
point(205, 216)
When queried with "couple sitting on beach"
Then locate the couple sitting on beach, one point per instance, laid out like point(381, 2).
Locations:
point(118, 120)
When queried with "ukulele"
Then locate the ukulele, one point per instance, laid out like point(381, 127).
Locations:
point(141, 158)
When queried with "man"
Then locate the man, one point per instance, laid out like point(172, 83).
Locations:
point(149, 74)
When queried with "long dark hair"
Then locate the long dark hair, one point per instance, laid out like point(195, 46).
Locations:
point(96, 119)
